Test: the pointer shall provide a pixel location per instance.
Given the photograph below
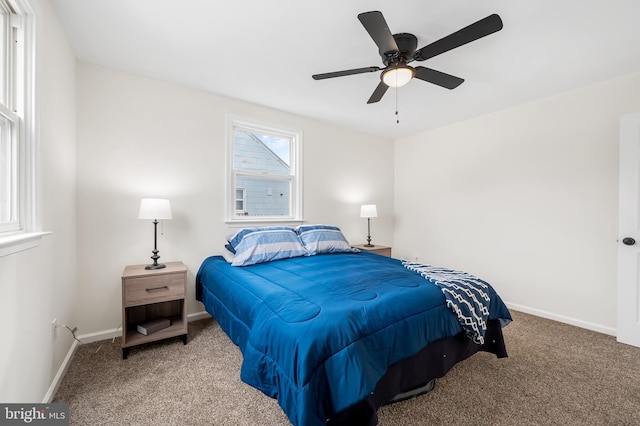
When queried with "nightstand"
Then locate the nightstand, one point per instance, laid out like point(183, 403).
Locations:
point(377, 249)
point(151, 295)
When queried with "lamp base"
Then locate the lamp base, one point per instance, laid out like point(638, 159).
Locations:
point(156, 266)
point(368, 236)
point(155, 257)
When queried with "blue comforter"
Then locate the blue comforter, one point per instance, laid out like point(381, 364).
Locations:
point(318, 332)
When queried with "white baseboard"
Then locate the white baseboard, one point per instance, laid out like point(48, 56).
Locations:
point(198, 316)
point(561, 318)
point(116, 332)
point(55, 384)
point(95, 337)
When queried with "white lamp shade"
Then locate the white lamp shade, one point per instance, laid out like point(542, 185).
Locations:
point(368, 210)
point(397, 77)
point(154, 208)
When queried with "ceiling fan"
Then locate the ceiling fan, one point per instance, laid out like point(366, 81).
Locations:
point(398, 50)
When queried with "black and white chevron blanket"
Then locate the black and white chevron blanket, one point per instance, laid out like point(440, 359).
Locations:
point(466, 295)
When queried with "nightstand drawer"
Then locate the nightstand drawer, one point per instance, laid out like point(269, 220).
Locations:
point(153, 289)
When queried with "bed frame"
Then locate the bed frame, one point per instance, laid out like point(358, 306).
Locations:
point(409, 377)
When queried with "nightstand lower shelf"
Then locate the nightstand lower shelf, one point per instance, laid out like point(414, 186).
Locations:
point(174, 330)
point(135, 338)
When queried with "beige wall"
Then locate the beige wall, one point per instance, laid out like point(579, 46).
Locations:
point(142, 138)
point(526, 198)
point(39, 284)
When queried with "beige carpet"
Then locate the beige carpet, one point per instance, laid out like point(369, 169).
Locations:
point(556, 374)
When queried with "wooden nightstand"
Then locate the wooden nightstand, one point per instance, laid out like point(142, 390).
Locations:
point(150, 295)
point(377, 249)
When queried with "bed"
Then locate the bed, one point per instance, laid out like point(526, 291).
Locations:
point(333, 334)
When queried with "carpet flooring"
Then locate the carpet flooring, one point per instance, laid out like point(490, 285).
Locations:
point(556, 374)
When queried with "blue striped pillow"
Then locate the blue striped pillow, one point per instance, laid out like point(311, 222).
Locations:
point(319, 239)
point(259, 245)
point(235, 239)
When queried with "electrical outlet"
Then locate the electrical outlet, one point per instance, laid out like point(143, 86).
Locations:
point(54, 327)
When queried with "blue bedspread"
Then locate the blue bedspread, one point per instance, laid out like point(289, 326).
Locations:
point(318, 332)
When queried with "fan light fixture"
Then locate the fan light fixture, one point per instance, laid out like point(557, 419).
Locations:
point(397, 76)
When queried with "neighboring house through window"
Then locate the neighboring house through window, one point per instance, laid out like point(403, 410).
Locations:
point(241, 201)
point(264, 178)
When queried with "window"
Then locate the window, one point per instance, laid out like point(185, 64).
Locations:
point(241, 201)
point(18, 222)
point(264, 173)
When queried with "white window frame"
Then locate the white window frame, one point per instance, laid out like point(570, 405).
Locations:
point(295, 208)
point(19, 100)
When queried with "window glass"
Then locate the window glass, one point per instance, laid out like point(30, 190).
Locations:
point(8, 157)
point(265, 178)
point(4, 38)
point(10, 85)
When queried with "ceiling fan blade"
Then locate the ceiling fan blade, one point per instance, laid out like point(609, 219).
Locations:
point(479, 29)
point(447, 81)
point(378, 93)
point(345, 72)
point(379, 31)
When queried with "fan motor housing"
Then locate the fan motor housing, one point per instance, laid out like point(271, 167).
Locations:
point(407, 44)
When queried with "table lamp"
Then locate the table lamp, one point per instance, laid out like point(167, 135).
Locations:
point(368, 211)
point(155, 208)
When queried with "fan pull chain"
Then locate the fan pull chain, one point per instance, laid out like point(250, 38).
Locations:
point(397, 115)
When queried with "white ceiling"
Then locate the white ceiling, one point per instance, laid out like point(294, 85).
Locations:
point(265, 51)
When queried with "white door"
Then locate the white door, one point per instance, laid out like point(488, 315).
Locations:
point(629, 232)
